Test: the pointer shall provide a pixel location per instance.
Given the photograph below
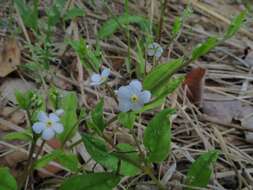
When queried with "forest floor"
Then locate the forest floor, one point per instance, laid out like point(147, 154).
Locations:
point(221, 84)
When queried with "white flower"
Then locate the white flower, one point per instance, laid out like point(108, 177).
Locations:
point(97, 79)
point(132, 96)
point(154, 49)
point(48, 125)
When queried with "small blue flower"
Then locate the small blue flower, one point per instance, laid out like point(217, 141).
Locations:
point(155, 49)
point(132, 97)
point(97, 79)
point(48, 125)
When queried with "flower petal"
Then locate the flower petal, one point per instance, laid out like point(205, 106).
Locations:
point(137, 106)
point(48, 134)
point(136, 86)
point(145, 96)
point(105, 72)
point(95, 78)
point(158, 52)
point(59, 112)
point(53, 117)
point(124, 106)
point(155, 49)
point(42, 116)
point(58, 128)
point(38, 127)
point(124, 92)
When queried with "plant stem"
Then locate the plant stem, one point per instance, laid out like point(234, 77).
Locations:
point(146, 169)
point(112, 93)
point(29, 163)
point(39, 151)
point(164, 4)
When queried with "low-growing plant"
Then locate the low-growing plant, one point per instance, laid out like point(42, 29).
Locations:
point(146, 92)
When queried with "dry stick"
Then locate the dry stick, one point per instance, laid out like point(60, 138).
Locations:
point(79, 65)
point(226, 154)
point(211, 12)
point(21, 23)
point(220, 123)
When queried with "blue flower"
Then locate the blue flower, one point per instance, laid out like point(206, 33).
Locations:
point(97, 79)
point(155, 49)
point(48, 125)
point(132, 97)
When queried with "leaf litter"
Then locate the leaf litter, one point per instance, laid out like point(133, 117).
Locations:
point(215, 90)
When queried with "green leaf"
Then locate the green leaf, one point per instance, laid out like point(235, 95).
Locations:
point(53, 97)
point(24, 99)
point(110, 26)
point(140, 66)
point(204, 48)
point(54, 13)
point(28, 15)
point(73, 13)
point(96, 147)
point(200, 171)
point(91, 60)
point(21, 135)
point(172, 85)
point(7, 181)
point(235, 25)
point(92, 181)
point(127, 168)
point(153, 104)
point(162, 93)
point(97, 116)
point(68, 160)
point(157, 136)
point(127, 119)
point(69, 118)
point(177, 25)
point(160, 76)
point(44, 160)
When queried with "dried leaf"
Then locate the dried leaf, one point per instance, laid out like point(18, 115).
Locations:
point(194, 85)
point(221, 108)
point(10, 86)
point(9, 57)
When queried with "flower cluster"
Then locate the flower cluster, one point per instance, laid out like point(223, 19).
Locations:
point(48, 125)
point(155, 50)
point(130, 97)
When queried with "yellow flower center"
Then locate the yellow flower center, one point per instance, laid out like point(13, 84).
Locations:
point(103, 79)
point(49, 123)
point(134, 99)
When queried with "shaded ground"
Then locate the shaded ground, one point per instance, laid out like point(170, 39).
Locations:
point(219, 122)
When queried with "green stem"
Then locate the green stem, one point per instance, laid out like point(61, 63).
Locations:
point(146, 169)
point(30, 156)
point(164, 4)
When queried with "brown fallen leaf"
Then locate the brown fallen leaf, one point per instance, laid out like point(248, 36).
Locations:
point(194, 85)
point(9, 57)
point(13, 115)
point(10, 86)
point(223, 109)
